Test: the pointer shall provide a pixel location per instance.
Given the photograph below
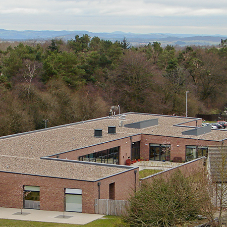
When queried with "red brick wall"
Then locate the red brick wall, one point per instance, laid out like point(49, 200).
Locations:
point(52, 190)
point(125, 149)
point(178, 145)
point(124, 185)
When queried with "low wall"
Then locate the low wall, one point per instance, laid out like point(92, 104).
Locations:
point(187, 169)
point(156, 165)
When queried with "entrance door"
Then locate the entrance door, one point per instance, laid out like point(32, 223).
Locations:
point(73, 200)
point(135, 153)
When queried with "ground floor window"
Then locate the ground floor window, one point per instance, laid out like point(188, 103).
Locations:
point(31, 197)
point(193, 152)
point(135, 154)
point(110, 156)
point(160, 152)
point(73, 200)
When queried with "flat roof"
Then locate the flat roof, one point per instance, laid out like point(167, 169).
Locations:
point(21, 153)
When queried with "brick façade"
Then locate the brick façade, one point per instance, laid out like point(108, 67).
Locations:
point(52, 190)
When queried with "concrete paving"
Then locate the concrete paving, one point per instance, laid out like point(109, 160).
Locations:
point(48, 216)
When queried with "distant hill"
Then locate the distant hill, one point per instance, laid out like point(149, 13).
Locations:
point(134, 38)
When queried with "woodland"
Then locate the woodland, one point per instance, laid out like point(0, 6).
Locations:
point(53, 82)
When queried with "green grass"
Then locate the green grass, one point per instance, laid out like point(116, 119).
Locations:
point(109, 221)
point(148, 172)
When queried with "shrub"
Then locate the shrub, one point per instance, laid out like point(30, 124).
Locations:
point(168, 202)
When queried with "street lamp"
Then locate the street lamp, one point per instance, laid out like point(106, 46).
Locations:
point(187, 103)
point(45, 120)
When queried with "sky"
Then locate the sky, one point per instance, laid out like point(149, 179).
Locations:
point(136, 16)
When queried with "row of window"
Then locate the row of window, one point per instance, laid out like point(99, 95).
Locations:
point(110, 156)
point(157, 152)
point(193, 152)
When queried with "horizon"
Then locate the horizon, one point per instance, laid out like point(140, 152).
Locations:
point(114, 32)
point(108, 16)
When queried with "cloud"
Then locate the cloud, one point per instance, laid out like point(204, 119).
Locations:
point(117, 7)
point(139, 15)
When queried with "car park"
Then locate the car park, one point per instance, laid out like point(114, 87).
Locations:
point(216, 126)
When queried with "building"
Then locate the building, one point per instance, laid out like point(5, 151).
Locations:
point(69, 166)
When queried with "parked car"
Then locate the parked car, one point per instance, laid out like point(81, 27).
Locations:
point(215, 126)
point(222, 123)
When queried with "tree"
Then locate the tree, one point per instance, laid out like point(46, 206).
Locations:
point(168, 202)
point(174, 85)
point(80, 43)
point(53, 46)
point(63, 65)
point(132, 85)
point(166, 55)
point(95, 43)
point(125, 44)
point(30, 71)
point(157, 50)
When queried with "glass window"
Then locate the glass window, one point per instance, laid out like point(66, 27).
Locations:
point(73, 200)
point(165, 152)
point(202, 151)
point(191, 153)
point(31, 197)
point(110, 156)
point(160, 152)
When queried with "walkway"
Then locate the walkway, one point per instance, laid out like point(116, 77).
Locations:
point(48, 216)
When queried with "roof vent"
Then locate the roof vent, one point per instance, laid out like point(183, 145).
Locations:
point(143, 124)
point(98, 132)
point(111, 129)
point(198, 131)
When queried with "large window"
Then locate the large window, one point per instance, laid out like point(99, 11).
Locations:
point(160, 152)
point(73, 199)
point(110, 156)
point(32, 197)
point(193, 152)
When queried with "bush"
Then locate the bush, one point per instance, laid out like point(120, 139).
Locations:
point(168, 202)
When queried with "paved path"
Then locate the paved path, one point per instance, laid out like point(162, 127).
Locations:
point(48, 216)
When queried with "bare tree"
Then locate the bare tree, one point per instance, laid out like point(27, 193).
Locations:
point(30, 72)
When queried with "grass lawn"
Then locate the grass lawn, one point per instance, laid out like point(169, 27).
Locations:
point(109, 221)
point(148, 172)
